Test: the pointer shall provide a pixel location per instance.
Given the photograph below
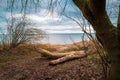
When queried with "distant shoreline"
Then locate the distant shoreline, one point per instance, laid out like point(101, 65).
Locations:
point(64, 33)
point(65, 38)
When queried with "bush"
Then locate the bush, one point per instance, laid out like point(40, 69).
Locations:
point(19, 31)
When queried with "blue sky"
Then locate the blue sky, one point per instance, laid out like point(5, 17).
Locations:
point(54, 22)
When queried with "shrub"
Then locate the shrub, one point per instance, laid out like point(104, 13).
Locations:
point(19, 31)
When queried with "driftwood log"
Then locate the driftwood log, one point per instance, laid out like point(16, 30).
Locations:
point(68, 57)
point(63, 57)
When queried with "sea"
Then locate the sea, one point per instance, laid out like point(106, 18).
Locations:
point(65, 38)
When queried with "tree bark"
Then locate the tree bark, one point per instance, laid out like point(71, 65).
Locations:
point(48, 54)
point(81, 54)
point(94, 11)
point(63, 57)
point(115, 57)
point(118, 23)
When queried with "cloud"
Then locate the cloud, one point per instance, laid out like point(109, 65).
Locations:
point(44, 19)
point(53, 23)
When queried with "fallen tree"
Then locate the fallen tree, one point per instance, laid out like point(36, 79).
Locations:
point(76, 55)
point(48, 54)
point(63, 57)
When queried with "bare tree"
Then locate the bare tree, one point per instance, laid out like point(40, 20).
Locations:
point(19, 31)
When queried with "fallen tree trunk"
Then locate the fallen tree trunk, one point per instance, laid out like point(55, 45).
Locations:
point(81, 54)
point(48, 54)
point(63, 57)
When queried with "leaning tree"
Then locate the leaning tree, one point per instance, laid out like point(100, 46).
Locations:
point(95, 12)
point(108, 34)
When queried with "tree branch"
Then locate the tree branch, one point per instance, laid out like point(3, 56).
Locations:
point(97, 6)
point(94, 12)
point(118, 23)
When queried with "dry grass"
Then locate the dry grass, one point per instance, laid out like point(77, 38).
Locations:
point(78, 46)
point(14, 54)
point(24, 63)
point(28, 50)
point(49, 47)
point(23, 51)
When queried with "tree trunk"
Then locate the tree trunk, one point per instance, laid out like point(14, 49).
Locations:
point(115, 65)
point(63, 57)
point(48, 54)
point(81, 54)
point(94, 11)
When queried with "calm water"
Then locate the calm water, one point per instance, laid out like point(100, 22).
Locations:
point(64, 38)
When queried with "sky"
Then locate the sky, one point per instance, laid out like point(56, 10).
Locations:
point(56, 21)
